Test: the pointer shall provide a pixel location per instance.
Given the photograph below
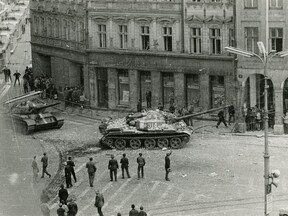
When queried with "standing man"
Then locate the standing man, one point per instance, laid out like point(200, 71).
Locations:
point(167, 165)
point(91, 168)
point(35, 170)
point(148, 98)
point(221, 118)
point(8, 72)
point(44, 161)
point(17, 76)
point(67, 171)
point(142, 212)
point(141, 163)
point(133, 211)
point(113, 166)
point(99, 202)
point(72, 165)
point(139, 106)
point(5, 73)
point(124, 165)
point(231, 111)
point(72, 208)
point(63, 194)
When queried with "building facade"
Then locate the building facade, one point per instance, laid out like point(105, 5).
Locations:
point(251, 27)
point(173, 49)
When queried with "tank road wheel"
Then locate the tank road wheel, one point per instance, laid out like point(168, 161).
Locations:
point(108, 142)
point(175, 143)
point(135, 143)
point(163, 143)
point(150, 143)
point(120, 144)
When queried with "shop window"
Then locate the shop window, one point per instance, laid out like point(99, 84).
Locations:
point(231, 37)
point(192, 89)
point(145, 38)
point(251, 39)
point(102, 87)
point(217, 91)
point(123, 36)
point(145, 86)
point(123, 87)
point(168, 89)
point(215, 41)
point(195, 40)
point(102, 36)
point(276, 39)
point(167, 35)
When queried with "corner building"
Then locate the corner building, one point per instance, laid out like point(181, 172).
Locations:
point(175, 49)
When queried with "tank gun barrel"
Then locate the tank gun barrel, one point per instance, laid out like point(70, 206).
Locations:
point(200, 113)
point(37, 110)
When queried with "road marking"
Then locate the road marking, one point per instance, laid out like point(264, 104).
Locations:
point(127, 198)
point(155, 186)
point(4, 90)
point(118, 191)
point(83, 193)
point(180, 197)
point(80, 168)
point(170, 186)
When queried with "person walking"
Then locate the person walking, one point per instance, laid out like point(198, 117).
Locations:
point(61, 210)
point(113, 166)
point(72, 208)
point(35, 170)
point(17, 76)
point(67, 171)
point(142, 212)
point(133, 211)
point(167, 165)
point(99, 202)
point(44, 161)
point(141, 163)
point(91, 168)
point(231, 112)
point(125, 165)
point(72, 165)
point(63, 194)
point(221, 118)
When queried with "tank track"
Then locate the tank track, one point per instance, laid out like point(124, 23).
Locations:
point(147, 140)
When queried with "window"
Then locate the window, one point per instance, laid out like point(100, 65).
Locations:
point(123, 36)
point(57, 28)
point(145, 37)
point(82, 32)
point(167, 35)
point(276, 3)
point(251, 38)
point(250, 3)
point(123, 86)
point(192, 89)
point(195, 40)
point(215, 41)
point(73, 31)
point(217, 91)
point(231, 37)
point(276, 39)
point(50, 28)
point(102, 35)
point(168, 89)
point(43, 27)
point(37, 25)
point(65, 34)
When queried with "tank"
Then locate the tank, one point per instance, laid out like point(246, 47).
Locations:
point(149, 129)
point(31, 115)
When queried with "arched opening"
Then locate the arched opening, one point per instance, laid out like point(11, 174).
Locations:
point(254, 102)
point(285, 96)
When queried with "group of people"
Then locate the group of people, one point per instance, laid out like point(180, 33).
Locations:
point(74, 96)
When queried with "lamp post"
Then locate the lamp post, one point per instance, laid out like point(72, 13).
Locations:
point(265, 58)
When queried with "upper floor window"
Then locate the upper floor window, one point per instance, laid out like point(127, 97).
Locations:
point(250, 3)
point(276, 3)
point(102, 36)
point(65, 29)
point(231, 37)
point(36, 25)
point(57, 26)
point(276, 39)
point(145, 38)
point(215, 41)
point(43, 27)
point(82, 32)
point(123, 36)
point(73, 31)
point(251, 38)
point(50, 27)
point(167, 36)
point(195, 40)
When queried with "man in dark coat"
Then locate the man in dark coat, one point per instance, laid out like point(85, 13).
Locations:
point(44, 161)
point(231, 111)
point(141, 163)
point(124, 165)
point(99, 202)
point(91, 168)
point(72, 208)
point(63, 194)
point(133, 211)
point(113, 166)
point(142, 212)
point(148, 98)
point(17, 76)
point(139, 106)
point(221, 118)
point(67, 170)
point(72, 165)
point(60, 210)
point(167, 165)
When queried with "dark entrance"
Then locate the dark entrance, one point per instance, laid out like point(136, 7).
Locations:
point(102, 87)
point(145, 85)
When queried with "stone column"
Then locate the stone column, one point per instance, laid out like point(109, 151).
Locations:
point(278, 127)
point(134, 88)
point(179, 89)
point(112, 86)
point(204, 91)
point(253, 90)
point(156, 88)
point(240, 115)
point(92, 91)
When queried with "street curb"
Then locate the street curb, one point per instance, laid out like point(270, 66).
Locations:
point(256, 135)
